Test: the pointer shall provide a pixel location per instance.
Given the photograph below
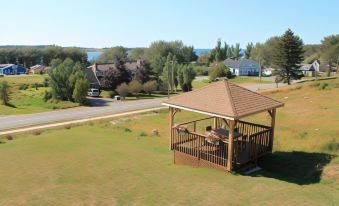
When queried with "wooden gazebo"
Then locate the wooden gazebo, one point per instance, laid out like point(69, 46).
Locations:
point(229, 143)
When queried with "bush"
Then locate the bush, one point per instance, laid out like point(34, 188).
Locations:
point(150, 87)
point(23, 86)
point(37, 132)
point(127, 129)
point(111, 94)
point(332, 145)
point(80, 91)
point(68, 127)
point(9, 137)
point(45, 83)
point(143, 134)
point(135, 87)
point(323, 86)
point(4, 93)
point(201, 70)
point(123, 90)
point(219, 70)
point(47, 96)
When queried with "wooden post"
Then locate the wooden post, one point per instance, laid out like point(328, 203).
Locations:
point(215, 122)
point(230, 145)
point(171, 113)
point(272, 114)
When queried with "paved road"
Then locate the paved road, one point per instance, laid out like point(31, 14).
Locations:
point(101, 106)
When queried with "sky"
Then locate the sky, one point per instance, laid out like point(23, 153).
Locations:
point(137, 23)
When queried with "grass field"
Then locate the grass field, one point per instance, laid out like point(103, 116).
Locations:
point(29, 100)
point(121, 163)
point(236, 80)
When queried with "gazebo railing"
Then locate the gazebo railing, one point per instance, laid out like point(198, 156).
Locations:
point(254, 143)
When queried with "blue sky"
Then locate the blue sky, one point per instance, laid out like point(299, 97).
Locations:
point(134, 23)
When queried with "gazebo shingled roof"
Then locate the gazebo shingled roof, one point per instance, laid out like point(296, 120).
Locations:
point(223, 99)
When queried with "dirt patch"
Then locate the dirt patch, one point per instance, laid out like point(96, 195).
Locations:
point(332, 172)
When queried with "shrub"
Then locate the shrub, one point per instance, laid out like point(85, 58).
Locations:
point(111, 94)
point(143, 134)
point(4, 93)
point(201, 70)
point(68, 127)
point(37, 132)
point(323, 86)
point(127, 129)
point(135, 87)
point(150, 87)
point(219, 70)
point(303, 135)
point(45, 83)
point(332, 145)
point(123, 90)
point(23, 86)
point(80, 90)
point(47, 96)
point(9, 137)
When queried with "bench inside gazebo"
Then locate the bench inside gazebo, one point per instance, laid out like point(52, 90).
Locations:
point(229, 143)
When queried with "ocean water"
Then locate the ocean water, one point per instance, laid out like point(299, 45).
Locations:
point(92, 55)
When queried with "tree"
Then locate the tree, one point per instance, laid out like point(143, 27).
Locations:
point(230, 52)
point(150, 87)
point(137, 53)
point(203, 59)
point(186, 75)
point(123, 90)
point(143, 72)
point(330, 51)
point(248, 51)
point(217, 54)
point(63, 78)
point(115, 75)
point(80, 90)
point(169, 75)
point(114, 53)
point(289, 56)
point(158, 51)
point(236, 53)
point(219, 70)
point(4, 92)
point(135, 87)
point(265, 52)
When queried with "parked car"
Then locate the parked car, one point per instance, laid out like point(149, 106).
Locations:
point(93, 92)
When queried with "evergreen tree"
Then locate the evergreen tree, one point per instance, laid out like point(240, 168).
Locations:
point(230, 52)
point(248, 51)
point(236, 53)
point(289, 56)
point(225, 51)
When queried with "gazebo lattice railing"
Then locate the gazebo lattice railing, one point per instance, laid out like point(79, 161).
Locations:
point(254, 142)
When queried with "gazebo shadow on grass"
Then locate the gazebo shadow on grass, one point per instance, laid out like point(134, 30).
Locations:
point(301, 168)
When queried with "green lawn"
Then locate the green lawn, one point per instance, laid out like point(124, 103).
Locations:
point(29, 100)
point(101, 163)
point(236, 80)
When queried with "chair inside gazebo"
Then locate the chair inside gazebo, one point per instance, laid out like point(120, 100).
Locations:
point(223, 140)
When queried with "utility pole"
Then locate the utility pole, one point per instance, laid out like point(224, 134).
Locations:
point(168, 79)
point(259, 70)
point(173, 84)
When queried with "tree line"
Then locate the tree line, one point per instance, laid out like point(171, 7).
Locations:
point(29, 56)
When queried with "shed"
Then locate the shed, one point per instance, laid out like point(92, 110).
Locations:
point(231, 143)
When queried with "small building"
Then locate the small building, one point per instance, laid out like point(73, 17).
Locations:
point(310, 69)
point(37, 69)
point(243, 67)
point(11, 69)
point(222, 140)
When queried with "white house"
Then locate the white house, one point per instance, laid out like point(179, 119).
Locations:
point(243, 67)
point(310, 69)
